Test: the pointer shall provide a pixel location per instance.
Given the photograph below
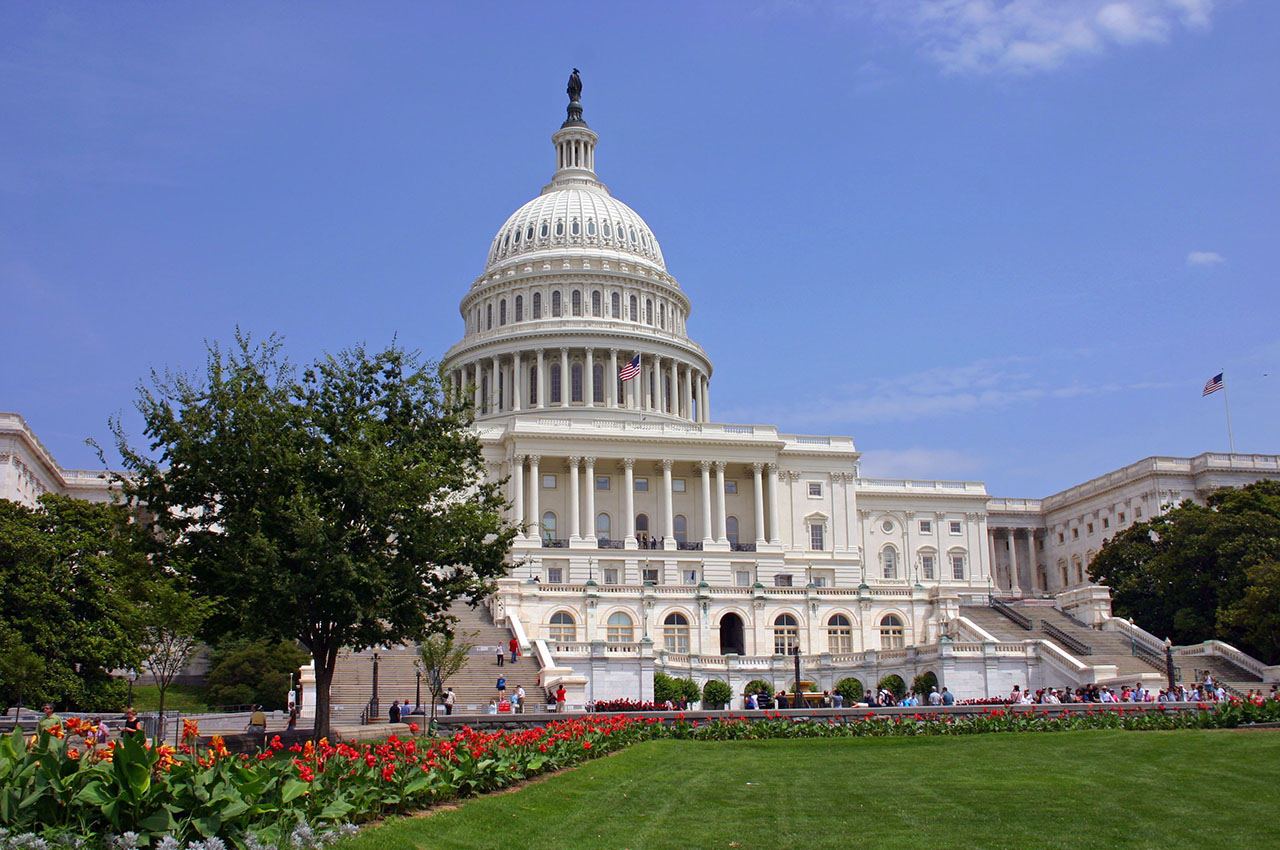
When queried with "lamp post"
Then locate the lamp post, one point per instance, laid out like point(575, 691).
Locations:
point(1133, 639)
point(1168, 663)
point(133, 677)
point(373, 700)
point(418, 698)
point(795, 657)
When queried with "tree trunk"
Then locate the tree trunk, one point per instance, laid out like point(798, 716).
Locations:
point(325, 661)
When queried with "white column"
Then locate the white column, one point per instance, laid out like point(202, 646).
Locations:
point(517, 493)
point(516, 380)
point(706, 399)
point(475, 367)
point(611, 384)
point(589, 381)
point(575, 508)
point(668, 510)
point(541, 380)
point(535, 488)
point(687, 384)
point(774, 535)
point(589, 480)
point(721, 534)
point(757, 479)
point(675, 389)
point(705, 466)
point(566, 382)
point(1031, 551)
point(629, 500)
point(1013, 564)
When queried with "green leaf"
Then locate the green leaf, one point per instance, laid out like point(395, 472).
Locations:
point(93, 794)
point(160, 821)
point(207, 826)
point(293, 789)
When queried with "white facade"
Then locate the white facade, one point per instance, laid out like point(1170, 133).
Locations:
point(28, 470)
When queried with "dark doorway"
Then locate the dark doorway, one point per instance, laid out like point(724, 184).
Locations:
point(731, 635)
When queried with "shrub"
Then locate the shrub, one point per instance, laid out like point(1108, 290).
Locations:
point(716, 694)
point(893, 684)
point(850, 689)
point(664, 688)
point(924, 683)
point(245, 673)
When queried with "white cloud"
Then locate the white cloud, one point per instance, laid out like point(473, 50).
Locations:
point(1204, 258)
point(1033, 36)
point(921, 463)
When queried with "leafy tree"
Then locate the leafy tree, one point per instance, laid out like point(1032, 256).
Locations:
point(850, 689)
point(924, 683)
point(665, 688)
point(893, 684)
point(343, 506)
point(247, 672)
point(170, 618)
point(20, 668)
point(73, 574)
point(716, 694)
point(440, 656)
point(1201, 571)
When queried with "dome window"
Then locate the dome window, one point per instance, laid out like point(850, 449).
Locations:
point(519, 308)
point(607, 230)
point(591, 228)
point(488, 321)
point(555, 304)
point(559, 227)
point(502, 312)
point(595, 303)
point(648, 311)
point(528, 234)
point(537, 305)
point(635, 313)
point(506, 242)
point(662, 316)
point(576, 300)
point(633, 236)
point(615, 304)
point(544, 230)
point(516, 240)
point(575, 228)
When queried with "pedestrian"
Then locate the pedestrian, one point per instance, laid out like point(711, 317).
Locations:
point(560, 700)
point(49, 720)
point(502, 686)
point(394, 713)
point(132, 723)
point(449, 700)
point(100, 733)
point(948, 698)
point(500, 656)
point(519, 703)
point(293, 716)
point(257, 722)
point(515, 649)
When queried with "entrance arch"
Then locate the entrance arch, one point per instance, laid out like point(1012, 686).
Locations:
point(732, 636)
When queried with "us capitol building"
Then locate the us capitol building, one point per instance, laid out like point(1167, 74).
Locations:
point(654, 538)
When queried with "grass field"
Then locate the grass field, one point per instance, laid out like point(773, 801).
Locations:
point(1071, 790)
point(185, 698)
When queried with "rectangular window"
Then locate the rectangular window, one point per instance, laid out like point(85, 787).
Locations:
point(642, 485)
point(650, 575)
point(926, 526)
point(957, 567)
point(611, 575)
point(816, 536)
point(1106, 522)
point(955, 527)
point(782, 580)
point(815, 489)
point(819, 581)
point(548, 482)
point(1075, 534)
point(1137, 513)
point(926, 566)
point(690, 576)
point(555, 575)
point(731, 487)
point(602, 482)
point(1060, 537)
point(1121, 517)
point(1089, 528)
point(677, 485)
point(742, 578)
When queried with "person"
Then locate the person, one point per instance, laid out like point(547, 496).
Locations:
point(449, 700)
point(132, 723)
point(394, 712)
point(560, 700)
point(500, 656)
point(100, 732)
point(948, 698)
point(493, 707)
point(49, 720)
point(519, 701)
point(781, 699)
point(502, 686)
point(935, 698)
point(293, 716)
point(837, 700)
point(515, 649)
point(751, 702)
point(257, 722)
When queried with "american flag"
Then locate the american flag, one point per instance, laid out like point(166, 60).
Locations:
point(632, 369)
point(1213, 385)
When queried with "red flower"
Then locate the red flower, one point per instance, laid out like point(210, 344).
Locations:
point(413, 727)
point(586, 745)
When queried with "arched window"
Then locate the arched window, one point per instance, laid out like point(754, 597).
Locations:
point(839, 635)
point(786, 634)
point(555, 304)
point(502, 312)
point(591, 228)
point(635, 314)
point(488, 317)
point(575, 380)
point(604, 526)
point(595, 303)
point(575, 300)
point(662, 316)
point(889, 561)
point(681, 528)
point(555, 383)
point(891, 632)
point(731, 529)
point(562, 627)
point(519, 308)
point(543, 231)
point(575, 228)
point(533, 385)
point(559, 227)
point(597, 383)
point(1062, 565)
point(548, 522)
point(537, 305)
point(607, 230)
point(648, 311)
point(620, 628)
point(528, 234)
point(675, 633)
point(614, 303)
point(642, 528)
point(484, 393)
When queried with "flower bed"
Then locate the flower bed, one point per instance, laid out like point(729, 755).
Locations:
point(59, 790)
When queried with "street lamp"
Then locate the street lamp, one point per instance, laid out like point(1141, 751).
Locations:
point(1133, 638)
point(1168, 663)
point(418, 699)
point(795, 694)
point(373, 701)
point(133, 677)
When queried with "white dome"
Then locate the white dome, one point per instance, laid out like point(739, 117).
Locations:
point(582, 218)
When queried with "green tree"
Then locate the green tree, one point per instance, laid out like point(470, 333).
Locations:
point(924, 683)
point(343, 506)
point(893, 684)
point(850, 689)
point(440, 656)
point(1202, 571)
point(247, 672)
point(170, 618)
point(716, 694)
point(20, 668)
point(73, 575)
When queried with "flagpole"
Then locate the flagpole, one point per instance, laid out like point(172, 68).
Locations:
point(1226, 400)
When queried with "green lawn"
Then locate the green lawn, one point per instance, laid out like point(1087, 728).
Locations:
point(185, 698)
point(1066, 790)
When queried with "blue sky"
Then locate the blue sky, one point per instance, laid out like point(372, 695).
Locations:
point(1000, 241)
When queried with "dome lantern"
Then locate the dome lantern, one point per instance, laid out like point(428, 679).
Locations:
point(575, 142)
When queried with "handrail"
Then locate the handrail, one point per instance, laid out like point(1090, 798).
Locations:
point(1018, 619)
point(1076, 646)
point(1155, 659)
point(370, 712)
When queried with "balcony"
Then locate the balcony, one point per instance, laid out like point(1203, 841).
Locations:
point(689, 547)
point(742, 547)
point(555, 543)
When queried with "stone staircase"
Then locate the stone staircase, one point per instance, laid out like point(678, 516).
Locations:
point(474, 685)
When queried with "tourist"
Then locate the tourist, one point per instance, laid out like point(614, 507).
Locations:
point(948, 698)
point(837, 700)
point(515, 649)
point(749, 702)
point(502, 686)
point(293, 717)
point(394, 712)
point(560, 700)
point(132, 723)
point(519, 700)
point(449, 700)
point(935, 698)
point(500, 656)
point(780, 698)
point(49, 720)
point(257, 722)
point(493, 707)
